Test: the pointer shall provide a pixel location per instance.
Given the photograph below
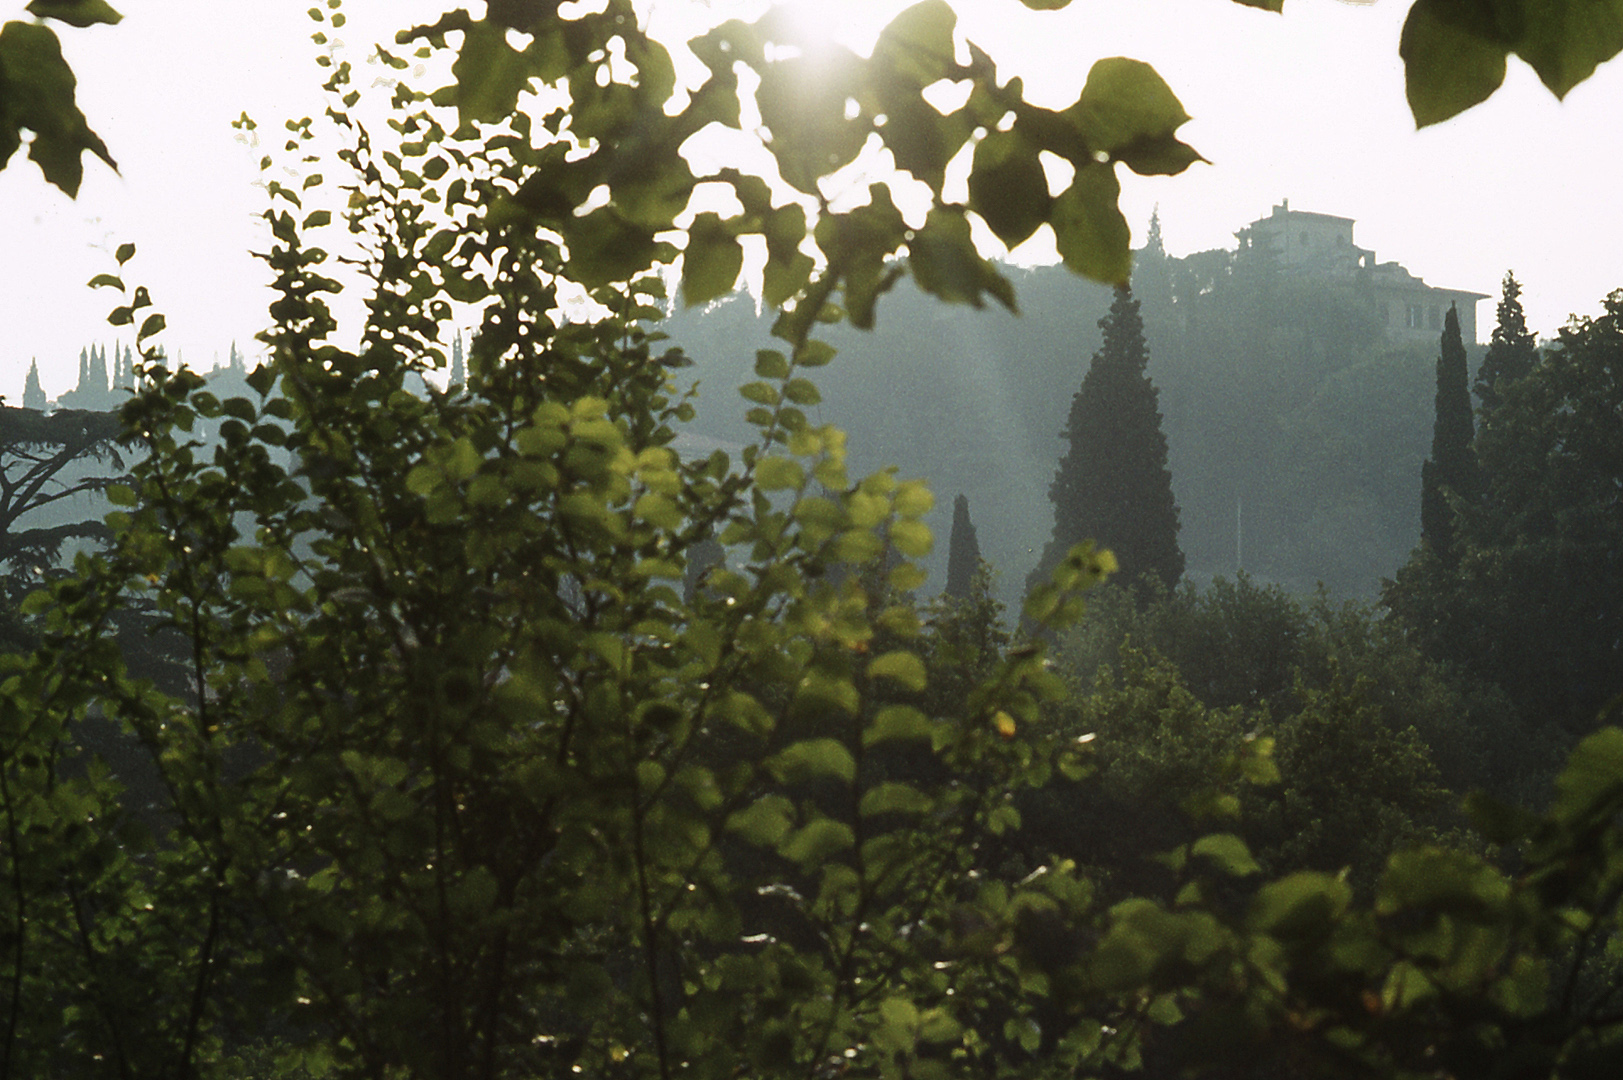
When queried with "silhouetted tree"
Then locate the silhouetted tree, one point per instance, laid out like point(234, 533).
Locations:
point(963, 551)
point(38, 470)
point(1113, 485)
point(1452, 467)
point(1512, 352)
point(33, 393)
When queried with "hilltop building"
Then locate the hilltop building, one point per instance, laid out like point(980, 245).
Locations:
point(1321, 245)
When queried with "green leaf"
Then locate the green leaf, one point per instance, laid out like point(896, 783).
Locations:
point(1128, 112)
point(1299, 905)
point(817, 842)
point(898, 723)
point(1089, 230)
point(80, 13)
point(106, 281)
point(1448, 64)
point(38, 88)
point(764, 822)
point(1454, 50)
point(771, 364)
point(1590, 787)
point(1046, 5)
point(902, 666)
point(779, 474)
point(151, 325)
point(490, 74)
point(711, 261)
point(126, 252)
point(917, 45)
point(1007, 186)
point(892, 797)
point(1228, 853)
point(813, 759)
point(911, 538)
point(945, 263)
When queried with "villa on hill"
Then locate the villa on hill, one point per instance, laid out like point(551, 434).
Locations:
point(1321, 245)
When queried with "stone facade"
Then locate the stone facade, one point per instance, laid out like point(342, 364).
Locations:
point(1321, 245)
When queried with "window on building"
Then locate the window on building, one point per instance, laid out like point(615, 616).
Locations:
point(1436, 317)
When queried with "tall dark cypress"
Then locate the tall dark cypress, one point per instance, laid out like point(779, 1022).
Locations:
point(1113, 485)
point(963, 551)
point(1452, 467)
point(1512, 351)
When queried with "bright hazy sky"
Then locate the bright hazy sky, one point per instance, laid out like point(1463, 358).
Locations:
point(1308, 106)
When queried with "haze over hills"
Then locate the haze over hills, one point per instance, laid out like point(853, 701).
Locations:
point(1297, 407)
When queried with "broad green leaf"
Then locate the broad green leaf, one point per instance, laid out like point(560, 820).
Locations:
point(771, 364)
point(1125, 105)
point(898, 723)
point(813, 759)
point(779, 474)
point(711, 261)
point(39, 88)
point(1454, 50)
point(1300, 904)
point(911, 538)
point(1089, 230)
point(904, 667)
point(1590, 788)
point(80, 13)
point(818, 841)
point(945, 263)
point(1448, 64)
point(917, 44)
point(1228, 853)
point(892, 797)
point(1046, 5)
point(1007, 186)
point(765, 822)
point(605, 248)
point(490, 74)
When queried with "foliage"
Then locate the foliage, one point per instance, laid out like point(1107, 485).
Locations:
point(1512, 351)
point(460, 784)
point(1240, 644)
point(1534, 602)
point(46, 462)
point(1454, 50)
point(1113, 484)
point(36, 93)
point(1451, 472)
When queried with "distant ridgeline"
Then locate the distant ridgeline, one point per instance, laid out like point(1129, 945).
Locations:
point(1296, 378)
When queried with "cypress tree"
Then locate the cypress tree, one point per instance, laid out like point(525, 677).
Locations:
point(459, 370)
point(1452, 467)
point(33, 393)
point(1113, 485)
point(963, 551)
point(1512, 351)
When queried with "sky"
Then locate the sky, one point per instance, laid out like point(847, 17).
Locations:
point(1307, 106)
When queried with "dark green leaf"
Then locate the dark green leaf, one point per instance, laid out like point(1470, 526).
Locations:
point(1089, 230)
point(711, 261)
point(1007, 186)
point(490, 74)
point(39, 95)
point(1449, 65)
point(79, 13)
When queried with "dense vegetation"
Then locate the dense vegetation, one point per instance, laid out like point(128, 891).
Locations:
point(487, 734)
